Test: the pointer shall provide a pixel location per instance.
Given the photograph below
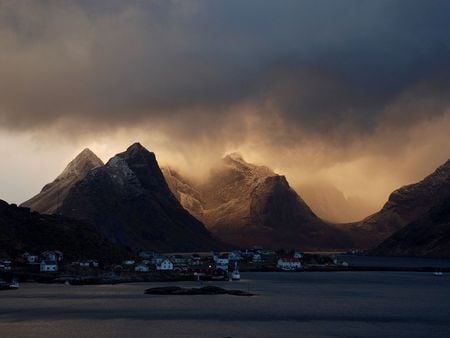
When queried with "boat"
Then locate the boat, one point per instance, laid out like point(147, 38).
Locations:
point(235, 275)
point(14, 285)
point(438, 273)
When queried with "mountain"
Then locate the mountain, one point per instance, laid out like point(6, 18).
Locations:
point(22, 230)
point(427, 236)
point(409, 204)
point(329, 203)
point(129, 202)
point(247, 205)
point(51, 196)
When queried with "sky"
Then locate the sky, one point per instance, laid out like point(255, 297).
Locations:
point(351, 92)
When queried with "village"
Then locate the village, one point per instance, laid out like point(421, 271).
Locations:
point(51, 266)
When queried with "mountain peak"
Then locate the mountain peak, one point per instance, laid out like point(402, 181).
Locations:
point(136, 146)
point(82, 163)
point(235, 157)
point(86, 152)
point(48, 200)
point(137, 151)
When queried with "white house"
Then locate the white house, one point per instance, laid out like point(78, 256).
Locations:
point(257, 258)
point(222, 262)
point(5, 264)
point(166, 264)
point(141, 268)
point(49, 266)
point(289, 264)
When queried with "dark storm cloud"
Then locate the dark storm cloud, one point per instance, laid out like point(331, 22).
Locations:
point(313, 64)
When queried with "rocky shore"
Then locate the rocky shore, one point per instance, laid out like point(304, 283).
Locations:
point(206, 290)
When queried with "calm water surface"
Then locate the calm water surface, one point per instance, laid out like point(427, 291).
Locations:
point(317, 304)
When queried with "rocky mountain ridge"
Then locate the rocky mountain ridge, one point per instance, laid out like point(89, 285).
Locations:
point(130, 204)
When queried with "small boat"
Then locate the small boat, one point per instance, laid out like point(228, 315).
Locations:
point(14, 285)
point(235, 275)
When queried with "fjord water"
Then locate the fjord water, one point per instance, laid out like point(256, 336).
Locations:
point(315, 304)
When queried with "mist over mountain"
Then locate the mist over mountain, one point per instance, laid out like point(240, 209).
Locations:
point(247, 204)
point(330, 204)
point(130, 204)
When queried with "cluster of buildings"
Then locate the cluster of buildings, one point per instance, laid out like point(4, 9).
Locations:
point(48, 261)
point(206, 264)
point(213, 262)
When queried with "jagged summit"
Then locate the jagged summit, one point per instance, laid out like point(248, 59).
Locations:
point(136, 148)
point(50, 198)
point(81, 164)
point(129, 202)
point(236, 157)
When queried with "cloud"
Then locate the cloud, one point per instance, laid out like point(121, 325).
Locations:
point(334, 82)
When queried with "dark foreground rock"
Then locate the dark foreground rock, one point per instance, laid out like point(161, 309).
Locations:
point(206, 290)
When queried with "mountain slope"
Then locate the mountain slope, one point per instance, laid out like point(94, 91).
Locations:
point(22, 230)
point(130, 203)
point(246, 205)
point(405, 205)
point(51, 196)
point(427, 236)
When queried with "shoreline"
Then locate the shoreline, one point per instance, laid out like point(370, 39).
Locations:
point(168, 278)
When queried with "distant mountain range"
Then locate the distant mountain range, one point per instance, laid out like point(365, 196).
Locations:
point(132, 202)
point(24, 231)
point(128, 201)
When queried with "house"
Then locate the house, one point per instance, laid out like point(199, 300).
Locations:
point(289, 264)
point(141, 268)
point(165, 264)
point(222, 262)
point(49, 266)
point(30, 259)
point(52, 255)
point(5, 265)
point(257, 258)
